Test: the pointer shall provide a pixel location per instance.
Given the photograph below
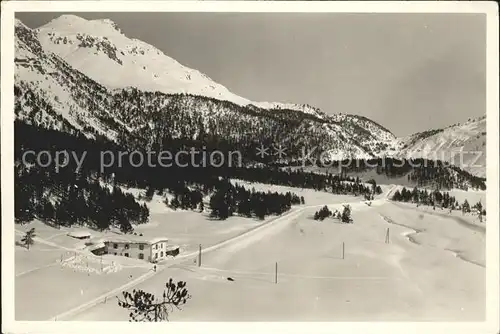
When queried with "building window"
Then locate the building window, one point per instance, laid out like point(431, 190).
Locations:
point(141, 256)
point(115, 253)
point(126, 246)
point(156, 246)
point(141, 246)
point(161, 254)
point(126, 254)
point(115, 246)
point(156, 255)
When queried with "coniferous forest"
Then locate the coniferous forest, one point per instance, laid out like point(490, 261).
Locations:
point(229, 199)
point(436, 198)
point(90, 194)
point(421, 172)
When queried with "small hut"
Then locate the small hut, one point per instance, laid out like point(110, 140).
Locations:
point(98, 249)
point(80, 235)
point(172, 251)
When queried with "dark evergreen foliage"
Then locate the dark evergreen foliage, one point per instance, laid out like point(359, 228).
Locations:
point(346, 215)
point(94, 196)
point(144, 306)
point(229, 199)
point(29, 238)
point(435, 198)
point(323, 213)
point(421, 172)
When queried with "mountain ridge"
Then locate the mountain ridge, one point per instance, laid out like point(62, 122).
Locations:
point(464, 142)
point(71, 29)
point(56, 64)
point(109, 112)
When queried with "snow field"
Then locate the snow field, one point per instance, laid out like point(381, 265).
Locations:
point(80, 270)
point(450, 233)
point(375, 281)
point(52, 290)
point(91, 264)
point(38, 256)
point(418, 275)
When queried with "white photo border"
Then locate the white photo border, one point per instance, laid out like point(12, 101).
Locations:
point(490, 9)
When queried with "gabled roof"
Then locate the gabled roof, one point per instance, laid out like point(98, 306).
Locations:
point(96, 246)
point(135, 239)
point(157, 239)
point(80, 234)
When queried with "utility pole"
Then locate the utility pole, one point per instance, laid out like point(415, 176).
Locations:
point(199, 256)
point(387, 236)
point(343, 250)
point(276, 274)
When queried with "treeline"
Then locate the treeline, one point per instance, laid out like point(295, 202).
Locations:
point(229, 199)
point(436, 198)
point(188, 185)
point(186, 199)
point(186, 182)
point(464, 178)
point(156, 116)
point(356, 188)
point(336, 184)
point(446, 178)
point(420, 171)
point(67, 198)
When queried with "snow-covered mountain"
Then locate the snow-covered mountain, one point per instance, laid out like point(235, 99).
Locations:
point(98, 48)
point(462, 144)
point(52, 94)
point(86, 76)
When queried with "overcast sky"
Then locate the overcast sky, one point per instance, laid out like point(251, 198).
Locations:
point(409, 72)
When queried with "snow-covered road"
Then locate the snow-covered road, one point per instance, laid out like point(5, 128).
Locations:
point(274, 225)
point(401, 280)
point(418, 275)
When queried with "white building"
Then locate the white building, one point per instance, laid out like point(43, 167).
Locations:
point(138, 247)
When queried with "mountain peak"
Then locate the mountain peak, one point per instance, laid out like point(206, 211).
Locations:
point(96, 47)
point(75, 24)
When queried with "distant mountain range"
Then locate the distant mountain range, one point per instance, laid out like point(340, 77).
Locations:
point(86, 77)
point(461, 143)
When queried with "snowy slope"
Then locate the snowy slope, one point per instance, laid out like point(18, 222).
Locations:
point(462, 144)
point(51, 94)
point(98, 48)
point(85, 75)
point(94, 79)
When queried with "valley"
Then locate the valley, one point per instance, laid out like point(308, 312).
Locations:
point(375, 281)
point(327, 216)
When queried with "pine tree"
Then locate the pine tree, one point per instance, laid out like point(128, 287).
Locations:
point(144, 306)
point(323, 213)
point(466, 206)
point(28, 238)
point(346, 214)
point(174, 203)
